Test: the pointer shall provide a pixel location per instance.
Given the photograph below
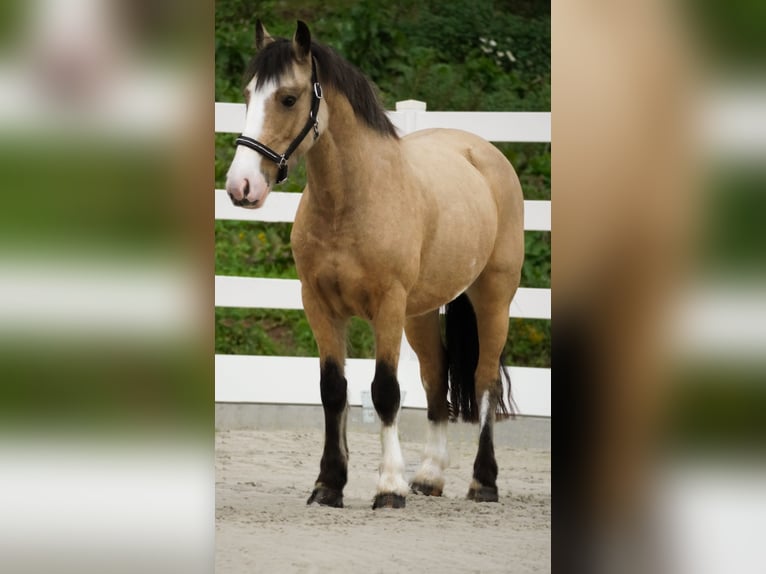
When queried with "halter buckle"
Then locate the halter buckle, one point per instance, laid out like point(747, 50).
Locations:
point(281, 169)
point(318, 90)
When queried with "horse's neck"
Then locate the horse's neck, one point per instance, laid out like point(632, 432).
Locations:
point(348, 160)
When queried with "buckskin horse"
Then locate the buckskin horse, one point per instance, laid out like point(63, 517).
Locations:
point(388, 229)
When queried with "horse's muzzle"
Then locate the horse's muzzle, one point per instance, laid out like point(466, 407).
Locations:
point(238, 191)
point(245, 202)
point(241, 194)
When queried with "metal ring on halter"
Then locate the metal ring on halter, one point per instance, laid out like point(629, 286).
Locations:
point(281, 169)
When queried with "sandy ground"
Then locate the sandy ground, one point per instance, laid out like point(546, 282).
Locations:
point(263, 479)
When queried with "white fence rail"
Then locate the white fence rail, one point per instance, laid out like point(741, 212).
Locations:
point(295, 380)
point(282, 208)
point(411, 116)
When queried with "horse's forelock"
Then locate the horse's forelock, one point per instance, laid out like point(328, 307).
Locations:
point(270, 63)
point(276, 58)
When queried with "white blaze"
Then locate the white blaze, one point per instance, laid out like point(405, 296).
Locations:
point(246, 164)
point(256, 108)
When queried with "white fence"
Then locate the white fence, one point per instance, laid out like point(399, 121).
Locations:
point(295, 380)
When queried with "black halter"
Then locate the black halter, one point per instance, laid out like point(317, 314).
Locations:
point(311, 122)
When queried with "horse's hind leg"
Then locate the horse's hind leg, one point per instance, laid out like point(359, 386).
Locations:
point(329, 333)
point(490, 297)
point(388, 322)
point(424, 335)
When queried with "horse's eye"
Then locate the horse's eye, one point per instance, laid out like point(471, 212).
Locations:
point(288, 101)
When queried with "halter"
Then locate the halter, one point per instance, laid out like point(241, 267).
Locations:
point(311, 122)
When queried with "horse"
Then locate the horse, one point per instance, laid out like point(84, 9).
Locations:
point(389, 229)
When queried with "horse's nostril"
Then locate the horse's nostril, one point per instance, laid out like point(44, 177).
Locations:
point(245, 189)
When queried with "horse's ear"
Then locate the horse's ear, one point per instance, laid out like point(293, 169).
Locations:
point(301, 41)
point(262, 37)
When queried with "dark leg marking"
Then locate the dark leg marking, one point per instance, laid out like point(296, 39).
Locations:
point(386, 397)
point(333, 469)
point(385, 393)
point(485, 468)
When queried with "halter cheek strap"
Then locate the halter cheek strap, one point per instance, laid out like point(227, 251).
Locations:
point(311, 123)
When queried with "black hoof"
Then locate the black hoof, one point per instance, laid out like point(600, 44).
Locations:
point(426, 489)
point(483, 494)
point(326, 497)
point(388, 500)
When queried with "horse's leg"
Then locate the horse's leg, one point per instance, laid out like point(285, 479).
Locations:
point(490, 298)
point(330, 335)
point(424, 335)
point(388, 323)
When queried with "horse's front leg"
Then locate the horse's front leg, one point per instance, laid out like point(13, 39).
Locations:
point(388, 323)
point(330, 335)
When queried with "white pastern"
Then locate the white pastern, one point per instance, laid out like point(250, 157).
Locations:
point(435, 456)
point(246, 164)
point(392, 468)
point(484, 409)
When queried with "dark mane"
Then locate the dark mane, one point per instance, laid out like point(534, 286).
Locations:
point(333, 70)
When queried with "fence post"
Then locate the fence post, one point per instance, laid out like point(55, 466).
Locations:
point(410, 109)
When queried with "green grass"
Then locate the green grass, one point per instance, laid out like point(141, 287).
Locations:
point(287, 333)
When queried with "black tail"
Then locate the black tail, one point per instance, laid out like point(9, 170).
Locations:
point(462, 358)
point(462, 337)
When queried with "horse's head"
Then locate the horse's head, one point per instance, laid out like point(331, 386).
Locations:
point(283, 115)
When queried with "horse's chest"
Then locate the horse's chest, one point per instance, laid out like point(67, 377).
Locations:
point(348, 268)
point(341, 284)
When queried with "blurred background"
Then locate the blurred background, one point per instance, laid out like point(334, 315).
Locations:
point(106, 379)
point(659, 123)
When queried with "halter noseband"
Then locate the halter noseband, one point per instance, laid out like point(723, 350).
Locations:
point(311, 122)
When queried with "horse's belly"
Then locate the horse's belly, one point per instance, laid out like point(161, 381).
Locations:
point(442, 280)
point(455, 251)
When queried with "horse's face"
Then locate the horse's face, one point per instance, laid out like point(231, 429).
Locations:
point(277, 111)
